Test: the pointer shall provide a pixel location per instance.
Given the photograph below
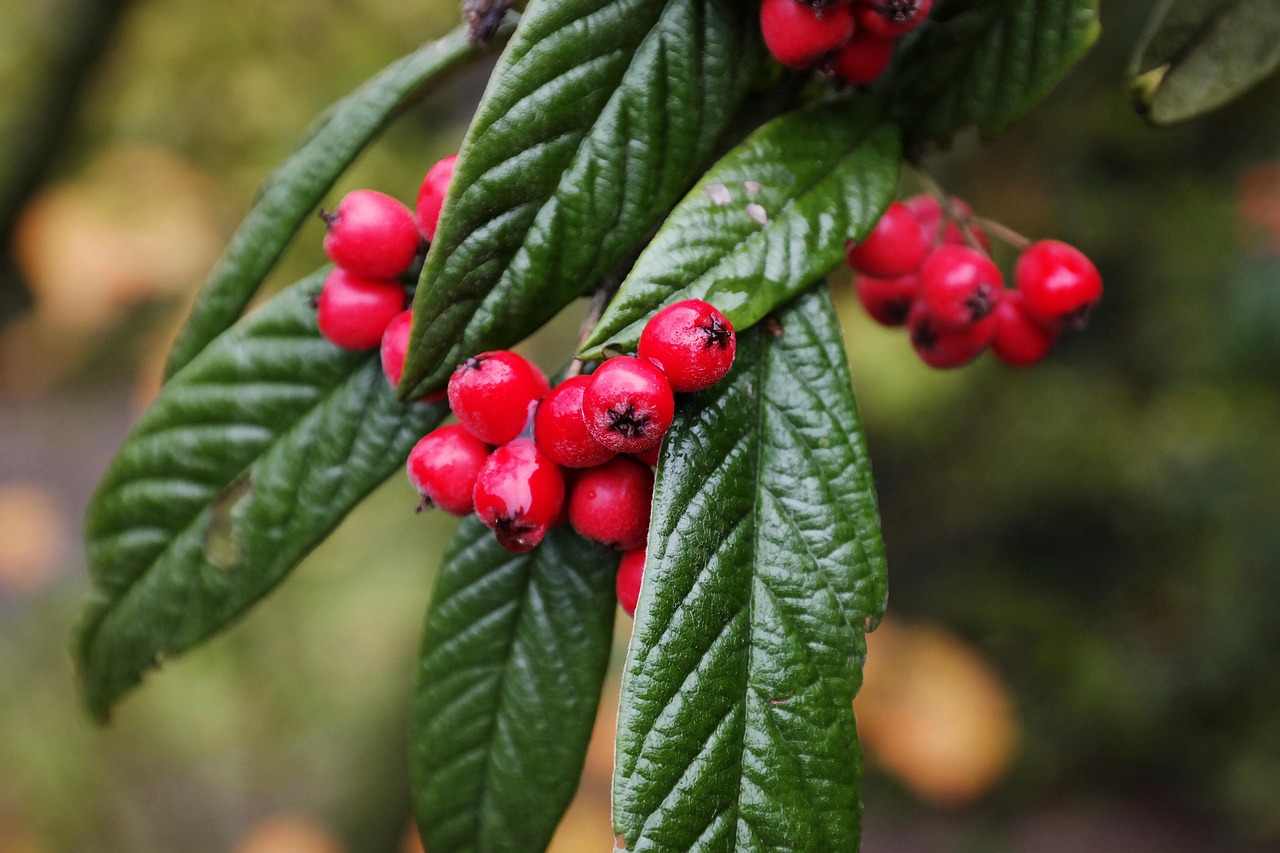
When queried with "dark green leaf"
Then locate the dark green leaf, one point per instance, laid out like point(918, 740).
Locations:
point(989, 64)
point(250, 456)
point(736, 729)
point(766, 222)
point(513, 661)
point(1199, 54)
point(599, 116)
point(294, 190)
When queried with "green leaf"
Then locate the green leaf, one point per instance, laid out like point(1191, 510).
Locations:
point(989, 64)
point(766, 222)
point(295, 189)
point(1199, 54)
point(599, 116)
point(513, 661)
point(736, 729)
point(250, 456)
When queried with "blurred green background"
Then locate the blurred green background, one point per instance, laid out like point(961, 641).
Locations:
point(1082, 651)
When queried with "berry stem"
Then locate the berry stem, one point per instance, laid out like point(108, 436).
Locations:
point(1002, 232)
point(599, 301)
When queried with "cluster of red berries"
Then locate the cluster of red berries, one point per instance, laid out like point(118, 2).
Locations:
point(373, 241)
point(526, 457)
point(922, 268)
point(852, 39)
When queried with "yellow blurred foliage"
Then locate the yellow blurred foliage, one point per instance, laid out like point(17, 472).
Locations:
point(289, 834)
point(34, 536)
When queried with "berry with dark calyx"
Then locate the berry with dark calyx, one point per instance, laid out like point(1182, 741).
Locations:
point(630, 574)
point(888, 300)
point(863, 59)
point(889, 19)
point(370, 234)
point(561, 432)
point(961, 286)
point(930, 213)
point(493, 394)
point(691, 342)
point(443, 467)
point(1059, 284)
point(426, 214)
point(353, 312)
point(629, 405)
point(611, 502)
point(518, 494)
point(1020, 340)
point(943, 347)
point(799, 34)
point(897, 245)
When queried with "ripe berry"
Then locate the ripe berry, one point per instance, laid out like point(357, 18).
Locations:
point(426, 213)
point(798, 34)
point(889, 19)
point(630, 574)
point(560, 431)
point(353, 312)
point(888, 300)
point(443, 467)
point(649, 457)
point(691, 342)
point(493, 394)
point(943, 347)
point(395, 342)
point(1060, 285)
point(863, 59)
point(518, 494)
point(628, 406)
point(960, 285)
point(370, 234)
point(1020, 339)
point(611, 502)
point(896, 246)
point(930, 213)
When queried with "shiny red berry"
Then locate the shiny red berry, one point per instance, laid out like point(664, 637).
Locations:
point(353, 312)
point(561, 432)
point(798, 34)
point(888, 19)
point(896, 246)
point(888, 300)
point(431, 194)
point(443, 467)
point(943, 347)
point(493, 394)
point(960, 285)
point(630, 574)
point(930, 213)
point(863, 59)
point(691, 342)
point(518, 494)
point(1059, 284)
point(628, 406)
point(371, 234)
point(611, 502)
point(1020, 340)
point(395, 343)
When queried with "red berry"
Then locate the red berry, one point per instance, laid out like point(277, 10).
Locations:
point(371, 234)
point(798, 34)
point(888, 300)
point(960, 285)
point(930, 213)
point(494, 393)
point(443, 467)
point(1060, 285)
point(628, 406)
point(650, 456)
point(889, 19)
point(561, 432)
point(630, 573)
point(353, 312)
point(426, 213)
point(691, 342)
point(1020, 339)
point(943, 347)
point(864, 58)
point(395, 342)
point(896, 246)
point(611, 502)
point(518, 494)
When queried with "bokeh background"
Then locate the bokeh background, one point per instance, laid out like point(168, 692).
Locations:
point(1083, 648)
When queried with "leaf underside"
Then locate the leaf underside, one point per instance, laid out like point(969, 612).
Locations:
point(599, 116)
point(246, 461)
point(513, 660)
point(765, 565)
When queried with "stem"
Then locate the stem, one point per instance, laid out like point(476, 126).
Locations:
point(1002, 232)
point(599, 301)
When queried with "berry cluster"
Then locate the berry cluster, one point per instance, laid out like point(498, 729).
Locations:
point(852, 39)
point(930, 269)
point(526, 457)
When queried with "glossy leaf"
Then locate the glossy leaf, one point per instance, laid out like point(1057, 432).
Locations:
point(600, 115)
point(988, 64)
point(766, 222)
point(250, 456)
point(295, 189)
point(513, 661)
point(1199, 54)
point(736, 730)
